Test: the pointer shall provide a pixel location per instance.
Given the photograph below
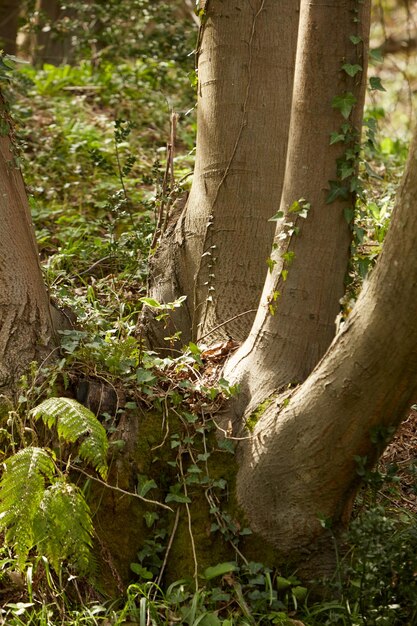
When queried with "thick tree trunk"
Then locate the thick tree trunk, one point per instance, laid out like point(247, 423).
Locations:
point(300, 464)
point(295, 322)
point(217, 254)
point(9, 14)
point(26, 330)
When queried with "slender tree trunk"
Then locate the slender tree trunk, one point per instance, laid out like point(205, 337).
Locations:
point(9, 15)
point(25, 320)
point(300, 463)
point(50, 45)
point(295, 322)
point(217, 254)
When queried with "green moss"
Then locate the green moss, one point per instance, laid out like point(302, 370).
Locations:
point(255, 416)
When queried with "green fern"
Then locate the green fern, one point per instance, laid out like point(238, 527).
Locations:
point(22, 488)
point(63, 527)
point(39, 508)
point(73, 421)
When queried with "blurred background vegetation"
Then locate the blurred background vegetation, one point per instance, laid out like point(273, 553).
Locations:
point(103, 99)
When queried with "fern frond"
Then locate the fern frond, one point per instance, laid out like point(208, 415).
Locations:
point(22, 488)
point(73, 420)
point(63, 528)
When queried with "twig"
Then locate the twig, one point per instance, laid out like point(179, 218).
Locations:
point(168, 174)
point(226, 433)
point(171, 539)
point(231, 319)
point(190, 530)
point(123, 491)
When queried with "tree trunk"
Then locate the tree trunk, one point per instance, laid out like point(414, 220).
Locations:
point(9, 15)
point(26, 329)
point(295, 322)
point(51, 44)
point(300, 462)
point(217, 254)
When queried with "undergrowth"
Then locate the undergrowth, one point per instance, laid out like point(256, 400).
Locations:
point(93, 148)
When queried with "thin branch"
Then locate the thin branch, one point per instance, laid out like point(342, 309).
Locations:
point(231, 319)
point(171, 539)
point(123, 491)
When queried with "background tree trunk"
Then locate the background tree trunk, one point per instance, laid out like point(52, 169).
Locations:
point(217, 254)
point(295, 322)
point(9, 15)
point(300, 464)
point(26, 330)
point(50, 44)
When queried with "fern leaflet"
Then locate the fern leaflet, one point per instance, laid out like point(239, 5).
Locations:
point(22, 488)
point(63, 528)
point(73, 420)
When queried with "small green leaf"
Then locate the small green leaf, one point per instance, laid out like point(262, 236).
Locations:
point(141, 571)
point(349, 214)
point(219, 570)
point(270, 262)
point(344, 103)
point(376, 55)
point(150, 302)
point(299, 592)
point(345, 170)
point(336, 137)
point(150, 518)
point(375, 84)
point(207, 619)
point(177, 497)
point(144, 376)
point(194, 349)
point(288, 256)
point(372, 172)
point(355, 39)
point(336, 191)
point(283, 583)
point(145, 485)
point(278, 216)
point(352, 70)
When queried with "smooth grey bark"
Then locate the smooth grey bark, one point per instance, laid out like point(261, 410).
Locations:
point(216, 255)
point(26, 329)
point(299, 464)
point(295, 322)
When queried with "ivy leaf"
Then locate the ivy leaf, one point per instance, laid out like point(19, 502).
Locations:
point(372, 172)
point(349, 214)
point(177, 497)
point(141, 571)
point(344, 103)
point(345, 170)
point(352, 70)
point(336, 137)
point(376, 55)
point(375, 84)
point(336, 191)
point(278, 216)
point(355, 39)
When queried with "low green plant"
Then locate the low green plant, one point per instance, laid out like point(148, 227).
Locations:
point(40, 508)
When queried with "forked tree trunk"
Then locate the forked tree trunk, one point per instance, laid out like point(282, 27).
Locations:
point(295, 322)
point(217, 254)
point(26, 329)
point(299, 463)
